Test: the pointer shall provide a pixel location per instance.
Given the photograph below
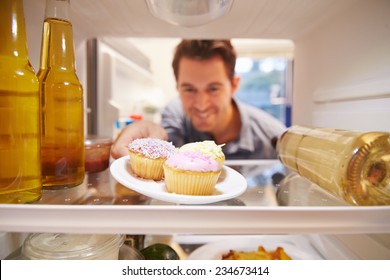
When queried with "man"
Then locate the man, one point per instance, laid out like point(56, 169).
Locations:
point(206, 108)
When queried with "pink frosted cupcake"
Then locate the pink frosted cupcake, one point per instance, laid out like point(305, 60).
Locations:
point(208, 148)
point(191, 173)
point(147, 156)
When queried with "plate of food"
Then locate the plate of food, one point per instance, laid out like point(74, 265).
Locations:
point(230, 185)
point(266, 247)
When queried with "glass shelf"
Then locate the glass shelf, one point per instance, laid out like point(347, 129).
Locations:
point(102, 205)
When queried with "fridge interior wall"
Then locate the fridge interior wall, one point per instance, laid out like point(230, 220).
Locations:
point(342, 70)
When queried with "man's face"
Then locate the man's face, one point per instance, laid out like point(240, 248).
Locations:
point(206, 93)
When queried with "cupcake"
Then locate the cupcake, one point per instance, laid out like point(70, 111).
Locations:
point(208, 147)
point(191, 173)
point(147, 156)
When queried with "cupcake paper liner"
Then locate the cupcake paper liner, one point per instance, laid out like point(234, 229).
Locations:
point(147, 168)
point(190, 182)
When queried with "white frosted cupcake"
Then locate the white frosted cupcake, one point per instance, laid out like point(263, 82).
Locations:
point(147, 156)
point(208, 147)
point(191, 173)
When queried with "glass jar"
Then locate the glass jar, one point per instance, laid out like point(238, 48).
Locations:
point(352, 165)
point(60, 246)
point(97, 153)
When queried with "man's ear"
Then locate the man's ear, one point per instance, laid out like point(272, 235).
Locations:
point(235, 84)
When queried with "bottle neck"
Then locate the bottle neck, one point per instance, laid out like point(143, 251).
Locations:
point(57, 9)
point(13, 30)
point(57, 41)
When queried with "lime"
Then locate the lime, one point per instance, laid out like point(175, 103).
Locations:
point(159, 251)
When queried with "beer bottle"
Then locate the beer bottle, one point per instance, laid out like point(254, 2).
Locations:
point(61, 101)
point(20, 169)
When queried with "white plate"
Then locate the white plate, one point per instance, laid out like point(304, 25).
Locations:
point(296, 247)
point(230, 184)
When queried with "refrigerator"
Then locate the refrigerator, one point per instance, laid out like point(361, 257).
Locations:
point(338, 52)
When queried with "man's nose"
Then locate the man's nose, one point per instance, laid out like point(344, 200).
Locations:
point(202, 100)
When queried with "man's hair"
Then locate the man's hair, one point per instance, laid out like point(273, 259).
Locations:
point(205, 50)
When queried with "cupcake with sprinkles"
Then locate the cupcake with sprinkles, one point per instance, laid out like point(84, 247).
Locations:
point(147, 156)
point(191, 173)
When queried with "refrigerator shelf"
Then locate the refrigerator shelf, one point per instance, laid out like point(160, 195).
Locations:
point(157, 219)
point(102, 205)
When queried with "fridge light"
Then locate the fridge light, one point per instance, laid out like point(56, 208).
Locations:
point(189, 13)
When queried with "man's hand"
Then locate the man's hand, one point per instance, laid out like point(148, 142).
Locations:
point(138, 129)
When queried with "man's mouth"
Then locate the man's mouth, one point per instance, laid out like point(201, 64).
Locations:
point(202, 114)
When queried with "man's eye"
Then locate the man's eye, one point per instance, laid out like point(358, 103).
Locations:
point(189, 90)
point(214, 90)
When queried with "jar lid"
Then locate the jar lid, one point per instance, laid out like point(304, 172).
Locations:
point(59, 246)
point(97, 140)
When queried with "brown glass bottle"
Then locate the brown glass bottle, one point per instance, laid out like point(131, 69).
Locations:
point(352, 165)
point(61, 100)
point(20, 170)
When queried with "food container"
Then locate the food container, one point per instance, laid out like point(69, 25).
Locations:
point(130, 253)
point(59, 246)
point(97, 153)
